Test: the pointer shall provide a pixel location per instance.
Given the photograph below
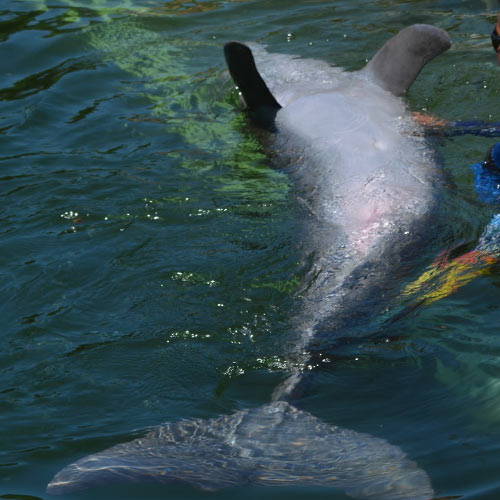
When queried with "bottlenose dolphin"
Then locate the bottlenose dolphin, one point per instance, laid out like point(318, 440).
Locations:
point(367, 184)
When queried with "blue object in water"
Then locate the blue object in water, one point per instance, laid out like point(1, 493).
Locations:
point(495, 155)
point(472, 127)
point(487, 176)
point(487, 183)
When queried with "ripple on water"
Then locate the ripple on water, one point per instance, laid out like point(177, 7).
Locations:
point(148, 263)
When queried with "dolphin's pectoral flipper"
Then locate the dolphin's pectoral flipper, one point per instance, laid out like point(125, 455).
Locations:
point(258, 98)
point(396, 65)
point(273, 445)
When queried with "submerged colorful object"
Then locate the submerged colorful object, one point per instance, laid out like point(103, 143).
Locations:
point(447, 275)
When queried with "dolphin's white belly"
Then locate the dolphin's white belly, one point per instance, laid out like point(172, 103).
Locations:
point(359, 169)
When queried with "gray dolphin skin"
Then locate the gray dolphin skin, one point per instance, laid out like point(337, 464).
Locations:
point(367, 186)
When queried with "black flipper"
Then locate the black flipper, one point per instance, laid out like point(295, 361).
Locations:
point(259, 101)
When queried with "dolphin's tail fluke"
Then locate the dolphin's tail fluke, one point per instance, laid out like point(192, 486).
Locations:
point(273, 445)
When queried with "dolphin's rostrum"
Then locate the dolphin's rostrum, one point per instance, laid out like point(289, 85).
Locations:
point(368, 184)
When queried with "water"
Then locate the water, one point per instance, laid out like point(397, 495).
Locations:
point(148, 265)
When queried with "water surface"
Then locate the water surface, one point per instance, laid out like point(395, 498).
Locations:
point(147, 246)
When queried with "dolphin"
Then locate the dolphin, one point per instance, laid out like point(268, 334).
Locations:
point(367, 186)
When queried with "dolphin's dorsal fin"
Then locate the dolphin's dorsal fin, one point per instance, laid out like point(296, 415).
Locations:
point(258, 98)
point(396, 65)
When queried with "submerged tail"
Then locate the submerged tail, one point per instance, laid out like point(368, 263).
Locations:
point(273, 445)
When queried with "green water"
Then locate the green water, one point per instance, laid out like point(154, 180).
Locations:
point(147, 247)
